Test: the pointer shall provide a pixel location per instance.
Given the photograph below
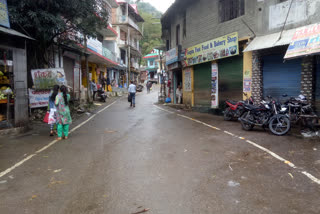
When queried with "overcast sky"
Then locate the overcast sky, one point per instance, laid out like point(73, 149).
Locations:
point(161, 5)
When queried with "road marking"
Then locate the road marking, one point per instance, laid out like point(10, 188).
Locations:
point(50, 144)
point(311, 177)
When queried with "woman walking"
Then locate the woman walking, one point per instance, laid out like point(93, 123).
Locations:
point(63, 113)
point(52, 108)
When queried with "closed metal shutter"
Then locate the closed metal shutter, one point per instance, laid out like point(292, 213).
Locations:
point(281, 77)
point(202, 85)
point(317, 91)
point(230, 79)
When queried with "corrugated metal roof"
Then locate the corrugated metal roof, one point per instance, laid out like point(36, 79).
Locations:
point(271, 40)
point(14, 33)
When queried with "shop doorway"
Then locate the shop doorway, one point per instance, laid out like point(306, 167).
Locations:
point(202, 85)
point(281, 77)
point(177, 81)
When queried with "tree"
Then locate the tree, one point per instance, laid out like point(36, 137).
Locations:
point(47, 20)
point(152, 28)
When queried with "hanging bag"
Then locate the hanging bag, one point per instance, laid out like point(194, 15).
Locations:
point(46, 118)
point(129, 98)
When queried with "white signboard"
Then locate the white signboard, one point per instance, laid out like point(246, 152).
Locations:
point(278, 13)
point(38, 98)
point(47, 78)
point(171, 56)
point(187, 80)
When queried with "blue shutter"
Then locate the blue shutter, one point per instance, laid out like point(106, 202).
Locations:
point(281, 77)
point(317, 103)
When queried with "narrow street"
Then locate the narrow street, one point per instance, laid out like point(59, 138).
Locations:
point(125, 160)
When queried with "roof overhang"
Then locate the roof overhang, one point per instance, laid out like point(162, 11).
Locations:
point(271, 40)
point(14, 33)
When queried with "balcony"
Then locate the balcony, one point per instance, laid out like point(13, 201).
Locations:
point(131, 43)
point(122, 19)
point(109, 54)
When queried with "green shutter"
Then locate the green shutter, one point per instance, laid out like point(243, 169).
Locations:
point(202, 85)
point(230, 79)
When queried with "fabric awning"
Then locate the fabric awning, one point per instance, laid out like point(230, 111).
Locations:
point(13, 33)
point(271, 40)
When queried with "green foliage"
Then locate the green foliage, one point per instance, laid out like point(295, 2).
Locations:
point(48, 20)
point(152, 30)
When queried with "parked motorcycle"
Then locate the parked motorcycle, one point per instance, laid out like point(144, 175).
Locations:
point(266, 115)
point(299, 111)
point(102, 96)
point(234, 110)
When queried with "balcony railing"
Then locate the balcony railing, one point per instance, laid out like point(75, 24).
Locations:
point(109, 54)
point(131, 43)
point(130, 21)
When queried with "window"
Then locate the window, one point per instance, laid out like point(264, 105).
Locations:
point(178, 35)
point(184, 24)
point(230, 9)
point(151, 63)
point(168, 44)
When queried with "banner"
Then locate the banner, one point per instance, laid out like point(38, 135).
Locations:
point(187, 80)
point(38, 99)
point(305, 41)
point(214, 85)
point(218, 48)
point(47, 78)
point(4, 16)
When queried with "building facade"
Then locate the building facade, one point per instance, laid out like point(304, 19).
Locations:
point(235, 46)
point(126, 21)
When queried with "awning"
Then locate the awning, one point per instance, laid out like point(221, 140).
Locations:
point(271, 40)
point(13, 33)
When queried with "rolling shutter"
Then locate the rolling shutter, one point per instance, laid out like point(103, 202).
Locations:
point(281, 77)
point(202, 85)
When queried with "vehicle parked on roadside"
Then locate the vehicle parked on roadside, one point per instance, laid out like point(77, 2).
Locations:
point(265, 115)
point(101, 95)
point(234, 109)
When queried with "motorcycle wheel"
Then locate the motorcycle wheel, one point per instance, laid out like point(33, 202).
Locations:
point(279, 125)
point(226, 114)
point(246, 126)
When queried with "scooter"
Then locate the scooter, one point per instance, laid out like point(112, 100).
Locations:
point(101, 95)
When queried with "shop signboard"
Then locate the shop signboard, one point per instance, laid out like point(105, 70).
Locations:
point(38, 99)
point(222, 47)
point(187, 80)
point(4, 16)
point(247, 81)
point(214, 85)
point(172, 56)
point(47, 78)
point(305, 41)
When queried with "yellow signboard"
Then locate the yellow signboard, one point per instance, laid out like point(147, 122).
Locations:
point(218, 48)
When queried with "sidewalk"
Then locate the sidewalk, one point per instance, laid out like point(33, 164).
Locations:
point(16, 147)
point(303, 152)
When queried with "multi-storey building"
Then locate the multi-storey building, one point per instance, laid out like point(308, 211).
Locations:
point(126, 21)
point(235, 46)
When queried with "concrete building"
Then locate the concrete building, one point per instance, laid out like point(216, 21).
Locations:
point(126, 20)
point(218, 49)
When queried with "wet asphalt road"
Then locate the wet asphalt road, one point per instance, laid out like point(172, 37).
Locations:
point(126, 160)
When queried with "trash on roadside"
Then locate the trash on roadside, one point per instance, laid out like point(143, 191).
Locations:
point(290, 175)
point(142, 211)
point(233, 184)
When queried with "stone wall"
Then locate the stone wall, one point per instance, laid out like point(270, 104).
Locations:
point(257, 77)
point(307, 78)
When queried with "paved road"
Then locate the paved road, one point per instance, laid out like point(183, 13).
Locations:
point(125, 160)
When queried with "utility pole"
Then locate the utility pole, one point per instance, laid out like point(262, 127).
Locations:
point(87, 69)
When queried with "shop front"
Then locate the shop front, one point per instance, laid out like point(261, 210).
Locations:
point(317, 85)
point(175, 79)
point(217, 71)
point(13, 79)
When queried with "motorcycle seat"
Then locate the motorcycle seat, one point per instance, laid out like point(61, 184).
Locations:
point(232, 102)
